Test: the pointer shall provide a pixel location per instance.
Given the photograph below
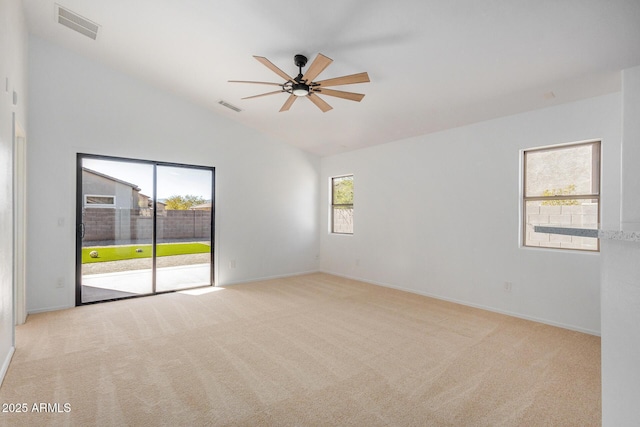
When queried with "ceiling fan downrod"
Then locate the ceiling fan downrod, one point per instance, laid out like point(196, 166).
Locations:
point(300, 88)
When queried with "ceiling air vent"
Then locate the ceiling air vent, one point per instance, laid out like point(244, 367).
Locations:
point(232, 107)
point(76, 22)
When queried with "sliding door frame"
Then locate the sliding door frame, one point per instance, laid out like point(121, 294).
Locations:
point(80, 225)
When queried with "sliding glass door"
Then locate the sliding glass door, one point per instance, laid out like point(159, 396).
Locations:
point(143, 227)
point(185, 220)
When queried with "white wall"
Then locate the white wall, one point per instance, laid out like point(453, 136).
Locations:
point(439, 215)
point(13, 71)
point(621, 280)
point(267, 192)
point(620, 333)
point(631, 149)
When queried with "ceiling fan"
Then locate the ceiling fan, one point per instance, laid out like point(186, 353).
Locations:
point(304, 86)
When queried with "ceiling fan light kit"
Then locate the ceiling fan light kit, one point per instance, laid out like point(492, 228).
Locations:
point(300, 89)
point(304, 85)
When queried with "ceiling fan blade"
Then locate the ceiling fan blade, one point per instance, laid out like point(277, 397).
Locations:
point(317, 66)
point(288, 103)
point(273, 68)
point(257, 83)
point(319, 102)
point(345, 80)
point(341, 94)
point(264, 94)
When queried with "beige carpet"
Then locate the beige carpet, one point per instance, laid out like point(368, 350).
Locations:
point(302, 351)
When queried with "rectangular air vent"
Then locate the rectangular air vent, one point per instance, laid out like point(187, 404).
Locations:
point(76, 22)
point(232, 107)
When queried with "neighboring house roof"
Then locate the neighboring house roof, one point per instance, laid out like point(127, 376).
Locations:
point(201, 207)
point(134, 186)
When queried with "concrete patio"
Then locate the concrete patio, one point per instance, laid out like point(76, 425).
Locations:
point(138, 282)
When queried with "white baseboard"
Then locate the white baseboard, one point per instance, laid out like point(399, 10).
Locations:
point(45, 309)
point(470, 304)
point(5, 364)
point(257, 279)
point(387, 285)
point(260, 279)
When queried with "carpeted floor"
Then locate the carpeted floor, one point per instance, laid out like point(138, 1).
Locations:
point(307, 350)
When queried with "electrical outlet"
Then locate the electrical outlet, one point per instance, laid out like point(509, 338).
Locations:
point(232, 264)
point(357, 262)
point(508, 286)
point(60, 283)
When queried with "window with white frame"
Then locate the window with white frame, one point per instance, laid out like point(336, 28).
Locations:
point(561, 188)
point(342, 204)
point(99, 201)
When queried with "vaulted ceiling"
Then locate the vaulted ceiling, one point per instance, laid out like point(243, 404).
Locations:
point(433, 64)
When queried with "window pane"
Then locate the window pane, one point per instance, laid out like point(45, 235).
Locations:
point(562, 171)
point(566, 213)
point(100, 200)
point(343, 190)
point(116, 243)
point(343, 220)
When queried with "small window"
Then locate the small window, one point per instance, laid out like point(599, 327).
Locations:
point(562, 188)
point(342, 204)
point(96, 201)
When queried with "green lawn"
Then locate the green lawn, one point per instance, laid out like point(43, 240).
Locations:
point(117, 253)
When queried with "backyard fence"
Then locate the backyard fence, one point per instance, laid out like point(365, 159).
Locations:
point(136, 225)
point(582, 216)
point(343, 220)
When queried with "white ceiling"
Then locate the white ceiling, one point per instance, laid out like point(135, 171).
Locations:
point(433, 64)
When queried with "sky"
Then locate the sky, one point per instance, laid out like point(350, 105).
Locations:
point(172, 181)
